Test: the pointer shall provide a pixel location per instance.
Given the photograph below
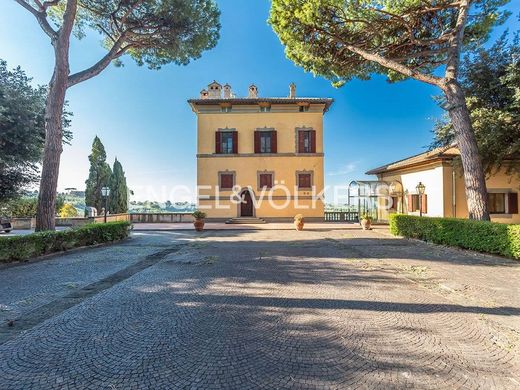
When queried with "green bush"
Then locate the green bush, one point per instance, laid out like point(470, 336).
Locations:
point(488, 237)
point(24, 247)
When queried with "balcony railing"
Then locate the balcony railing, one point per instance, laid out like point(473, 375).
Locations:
point(341, 216)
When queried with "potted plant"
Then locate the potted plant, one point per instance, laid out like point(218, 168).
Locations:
point(199, 220)
point(299, 222)
point(366, 221)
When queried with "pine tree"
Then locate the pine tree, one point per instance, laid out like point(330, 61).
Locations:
point(118, 190)
point(99, 176)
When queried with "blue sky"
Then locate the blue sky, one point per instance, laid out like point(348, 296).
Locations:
point(142, 117)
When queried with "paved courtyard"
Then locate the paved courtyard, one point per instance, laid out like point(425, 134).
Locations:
point(238, 309)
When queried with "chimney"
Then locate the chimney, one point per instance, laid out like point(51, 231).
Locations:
point(253, 92)
point(227, 91)
point(203, 94)
point(215, 90)
point(292, 90)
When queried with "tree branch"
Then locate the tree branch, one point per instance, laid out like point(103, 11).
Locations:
point(386, 62)
point(41, 17)
point(452, 65)
point(99, 66)
point(396, 66)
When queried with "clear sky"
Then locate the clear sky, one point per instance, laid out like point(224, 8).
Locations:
point(142, 117)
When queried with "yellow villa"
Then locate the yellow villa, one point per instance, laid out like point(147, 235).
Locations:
point(442, 187)
point(259, 157)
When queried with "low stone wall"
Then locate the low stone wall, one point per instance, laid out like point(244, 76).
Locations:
point(73, 222)
point(160, 217)
point(111, 218)
point(23, 223)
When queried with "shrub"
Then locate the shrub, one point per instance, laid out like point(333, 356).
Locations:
point(24, 247)
point(482, 236)
point(197, 214)
point(68, 211)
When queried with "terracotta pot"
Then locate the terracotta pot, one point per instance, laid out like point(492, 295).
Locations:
point(298, 225)
point(199, 225)
point(366, 224)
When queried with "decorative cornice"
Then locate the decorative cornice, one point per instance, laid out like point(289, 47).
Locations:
point(218, 155)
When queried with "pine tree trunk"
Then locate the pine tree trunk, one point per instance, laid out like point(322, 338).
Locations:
point(46, 211)
point(474, 179)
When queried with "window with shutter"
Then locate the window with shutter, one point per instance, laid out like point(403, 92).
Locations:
point(226, 181)
point(266, 180)
point(218, 142)
point(413, 203)
point(265, 142)
point(274, 142)
point(497, 203)
point(306, 141)
point(304, 180)
point(227, 142)
point(424, 204)
point(235, 142)
point(257, 141)
point(512, 203)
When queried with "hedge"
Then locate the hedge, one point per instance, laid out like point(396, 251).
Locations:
point(18, 248)
point(481, 236)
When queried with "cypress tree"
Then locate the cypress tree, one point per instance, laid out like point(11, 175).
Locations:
point(99, 176)
point(118, 190)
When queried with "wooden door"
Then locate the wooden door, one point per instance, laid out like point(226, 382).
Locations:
point(246, 207)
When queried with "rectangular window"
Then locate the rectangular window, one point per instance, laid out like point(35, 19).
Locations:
point(417, 202)
point(266, 180)
point(266, 141)
point(226, 142)
point(226, 181)
point(306, 141)
point(395, 202)
point(304, 180)
point(265, 108)
point(497, 203)
point(303, 108)
point(225, 109)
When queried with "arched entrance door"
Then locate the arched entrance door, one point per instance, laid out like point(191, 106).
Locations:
point(246, 206)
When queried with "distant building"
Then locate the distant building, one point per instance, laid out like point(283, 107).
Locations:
point(257, 145)
point(444, 194)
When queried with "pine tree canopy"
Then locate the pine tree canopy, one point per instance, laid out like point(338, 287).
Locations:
point(343, 39)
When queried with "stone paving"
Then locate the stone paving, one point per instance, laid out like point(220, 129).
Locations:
point(336, 309)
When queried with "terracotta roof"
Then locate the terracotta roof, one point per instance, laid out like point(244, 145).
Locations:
point(273, 100)
point(443, 153)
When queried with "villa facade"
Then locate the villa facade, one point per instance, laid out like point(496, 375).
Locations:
point(444, 189)
point(258, 156)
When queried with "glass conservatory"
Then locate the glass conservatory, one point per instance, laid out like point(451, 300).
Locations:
point(376, 198)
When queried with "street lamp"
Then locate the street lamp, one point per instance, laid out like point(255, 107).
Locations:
point(105, 191)
point(420, 188)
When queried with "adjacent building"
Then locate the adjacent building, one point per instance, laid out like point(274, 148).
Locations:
point(440, 173)
point(259, 156)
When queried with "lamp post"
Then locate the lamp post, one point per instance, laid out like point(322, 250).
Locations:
point(105, 191)
point(420, 190)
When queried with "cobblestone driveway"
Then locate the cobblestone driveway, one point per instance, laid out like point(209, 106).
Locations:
point(275, 309)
